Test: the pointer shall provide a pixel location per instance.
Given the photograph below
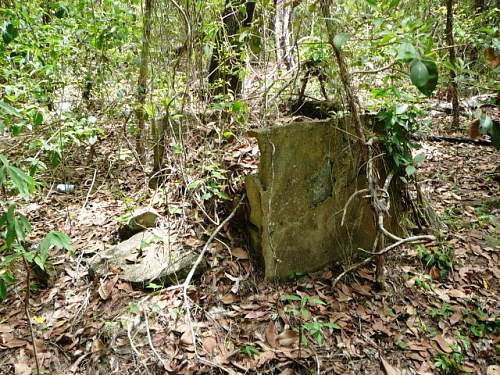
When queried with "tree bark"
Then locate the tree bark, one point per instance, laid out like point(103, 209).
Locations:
point(283, 33)
point(452, 58)
point(225, 62)
point(142, 81)
point(344, 75)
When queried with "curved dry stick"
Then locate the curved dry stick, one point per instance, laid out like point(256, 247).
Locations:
point(382, 252)
point(191, 273)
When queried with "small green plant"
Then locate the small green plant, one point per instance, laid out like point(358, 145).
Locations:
point(315, 329)
point(424, 282)
point(452, 218)
point(304, 301)
point(449, 364)
point(14, 228)
point(214, 183)
point(444, 311)
point(440, 257)
point(249, 350)
point(399, 122)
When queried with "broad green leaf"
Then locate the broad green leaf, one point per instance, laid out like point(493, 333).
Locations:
point(372, 3)
point(424, 75)
point(410, 170)
point(333, 326)
point(195, 184)
point(419, 158)
point(9, 110)
point(10, 33)
point(400, 109)
point(24, 183)
point(37, 118)
point(341, 39)
point(407, 52)
point(394, 3)
point(316, 301)
point(419, 74)
point(11, 231)
point(54, 238)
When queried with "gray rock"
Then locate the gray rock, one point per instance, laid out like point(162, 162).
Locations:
point(141, 219)
point(150, 256)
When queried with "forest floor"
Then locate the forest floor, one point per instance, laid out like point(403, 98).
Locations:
point(439, 311)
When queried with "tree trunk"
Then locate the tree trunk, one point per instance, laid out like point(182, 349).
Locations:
point(143, 79)
point(225, 62)
point(451, 51)
point(283, 33)
point(345, 77)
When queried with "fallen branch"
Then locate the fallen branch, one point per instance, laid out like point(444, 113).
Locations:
point(477, 142)
point(382, 252)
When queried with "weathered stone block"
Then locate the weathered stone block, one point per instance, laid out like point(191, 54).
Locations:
point(307, 172)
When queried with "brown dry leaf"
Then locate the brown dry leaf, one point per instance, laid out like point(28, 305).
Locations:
point(364, 290)
point(105, 288)
point(22, 369)
point(379, 326)
point(187, 338)
point(97, 345)
point(271, 334)
point(388, 369)
point(255, 314)
point(287, 338)
point(7, 340)
point(209, 344)
point(287, 371)
point(474, 129)
point(238, 252)
point(5, 328)
point(457, 293)
point(443, 345)
point(265, 357)
point(455, 318)
point(228, 298)
point(435, 274)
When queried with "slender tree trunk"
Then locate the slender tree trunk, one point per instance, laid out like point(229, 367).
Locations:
point(283, 33)
point(225, 62)
point(142, 82)
point(345, 77)
point(452, 58)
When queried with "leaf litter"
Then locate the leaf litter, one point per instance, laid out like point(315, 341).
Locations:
point(241, 323)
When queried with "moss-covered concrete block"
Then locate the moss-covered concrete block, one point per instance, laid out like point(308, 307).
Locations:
point(307, 172)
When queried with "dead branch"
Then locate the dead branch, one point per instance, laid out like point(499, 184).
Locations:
point(382, 252)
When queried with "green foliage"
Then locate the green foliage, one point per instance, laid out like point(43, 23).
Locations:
point(400, 121)
point(15, 227)
point(449, 364)
point(249, 350)
point(305, 301)
point(444, 311)
point(315, 329)
point(212, 184)
point(18, 180)
point(440, 257)
point(488, 126)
